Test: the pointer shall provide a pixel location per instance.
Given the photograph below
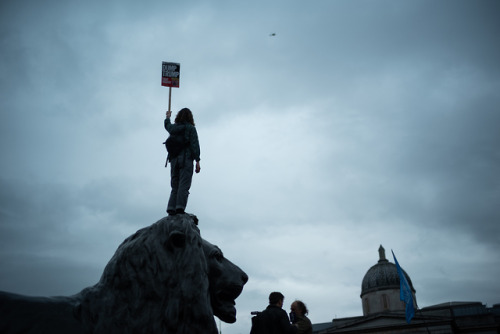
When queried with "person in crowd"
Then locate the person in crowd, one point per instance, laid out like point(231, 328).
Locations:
point(298, 317)
point(273, 320)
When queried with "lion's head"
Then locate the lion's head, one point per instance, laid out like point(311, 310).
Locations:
point(163, 279)
point(225, 281)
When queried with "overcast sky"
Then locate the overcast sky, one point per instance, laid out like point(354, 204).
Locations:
point(359, 123)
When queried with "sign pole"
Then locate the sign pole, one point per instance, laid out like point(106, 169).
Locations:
point(170, 75)
point(169, 97)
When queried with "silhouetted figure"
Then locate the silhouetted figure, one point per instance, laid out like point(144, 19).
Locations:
point(273, 320)
point(181, 163)
point(165, 278)
point(298, 317)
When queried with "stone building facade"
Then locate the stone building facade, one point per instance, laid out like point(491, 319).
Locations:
point(384, 313)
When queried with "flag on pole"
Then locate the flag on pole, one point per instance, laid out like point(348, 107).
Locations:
point(405, 293)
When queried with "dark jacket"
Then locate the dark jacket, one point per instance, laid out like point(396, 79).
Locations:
point(304, 325)
point(193, 150)
point(273, 320)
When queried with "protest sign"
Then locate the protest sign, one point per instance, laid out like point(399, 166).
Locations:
point(170, 74)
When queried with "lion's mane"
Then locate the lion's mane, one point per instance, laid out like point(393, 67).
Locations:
point(158, 281)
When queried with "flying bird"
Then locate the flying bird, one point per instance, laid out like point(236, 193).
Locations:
point(273, 34)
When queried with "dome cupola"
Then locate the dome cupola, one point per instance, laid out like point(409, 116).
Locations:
point(380, 287)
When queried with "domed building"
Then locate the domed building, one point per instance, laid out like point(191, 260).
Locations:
point(384, 312)
point(380, 287)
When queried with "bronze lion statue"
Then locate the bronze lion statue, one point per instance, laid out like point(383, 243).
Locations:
point(163, 279)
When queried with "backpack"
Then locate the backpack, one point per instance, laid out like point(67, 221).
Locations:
point(258, 326)
point(261, 324)
point(176, 142)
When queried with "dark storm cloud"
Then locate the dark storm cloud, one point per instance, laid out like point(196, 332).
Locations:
point(359, 123)
point(452, 155)
point(50, 228)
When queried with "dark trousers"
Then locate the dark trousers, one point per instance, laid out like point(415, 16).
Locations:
point(181, 175)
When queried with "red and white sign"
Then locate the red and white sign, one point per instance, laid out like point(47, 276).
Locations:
point(170, 74)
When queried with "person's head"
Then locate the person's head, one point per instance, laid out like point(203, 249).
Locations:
point(184, 116)
point(299, 308)
point(276, 298)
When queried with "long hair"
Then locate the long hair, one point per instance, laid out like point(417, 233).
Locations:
point(302, 307)
point(184, 116)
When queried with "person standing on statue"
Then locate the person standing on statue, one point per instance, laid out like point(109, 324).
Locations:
point(181, 163)
point(298, 317)
point(273, 320)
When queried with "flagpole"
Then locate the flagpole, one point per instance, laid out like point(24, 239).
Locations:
point(405, 291)
point(423, 319)
point(407, 296)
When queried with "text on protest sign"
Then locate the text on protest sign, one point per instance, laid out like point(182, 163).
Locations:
point(170, 74)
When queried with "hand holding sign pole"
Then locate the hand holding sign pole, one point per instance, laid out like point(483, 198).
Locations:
point(170, 75)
